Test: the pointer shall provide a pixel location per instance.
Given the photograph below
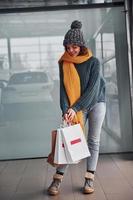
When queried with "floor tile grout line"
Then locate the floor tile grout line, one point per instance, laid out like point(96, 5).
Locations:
point(45, 178)
point(21, 178)
point(72, 183)
point(102, 185)
point(122, 174)
point(4, 168)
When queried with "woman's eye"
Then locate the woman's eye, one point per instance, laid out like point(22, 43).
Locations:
point(74, 47)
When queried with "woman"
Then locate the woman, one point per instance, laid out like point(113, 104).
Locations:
point(82, 98)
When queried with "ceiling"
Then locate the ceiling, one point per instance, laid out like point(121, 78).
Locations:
point(33, 3)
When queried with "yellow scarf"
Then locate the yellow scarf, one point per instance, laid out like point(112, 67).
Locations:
point(72, 80)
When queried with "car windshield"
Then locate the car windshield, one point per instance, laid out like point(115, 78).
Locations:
point(28, 78)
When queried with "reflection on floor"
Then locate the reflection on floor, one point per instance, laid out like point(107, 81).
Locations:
point(28, 179)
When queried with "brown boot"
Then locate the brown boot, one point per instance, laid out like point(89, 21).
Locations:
point(55, 185)
point(88, 186)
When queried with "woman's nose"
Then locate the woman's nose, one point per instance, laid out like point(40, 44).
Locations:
point(71, 50)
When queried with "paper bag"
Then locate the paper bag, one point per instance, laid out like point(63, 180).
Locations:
point(76, 147)
point(50, 158)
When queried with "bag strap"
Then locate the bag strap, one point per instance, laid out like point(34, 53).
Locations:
point(64, 124)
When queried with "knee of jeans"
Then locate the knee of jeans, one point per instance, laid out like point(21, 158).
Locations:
point(93, 143)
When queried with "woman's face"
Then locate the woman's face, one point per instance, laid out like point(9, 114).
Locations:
point(73, 50)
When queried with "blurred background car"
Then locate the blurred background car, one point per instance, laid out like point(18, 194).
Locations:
point(3, 83)
point(31, 86)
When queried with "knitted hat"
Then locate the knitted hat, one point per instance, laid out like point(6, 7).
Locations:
point(74, 35)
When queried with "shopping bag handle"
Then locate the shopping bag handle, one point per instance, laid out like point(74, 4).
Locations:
point(64, 124)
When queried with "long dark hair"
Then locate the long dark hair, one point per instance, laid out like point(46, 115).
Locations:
point(83, 51)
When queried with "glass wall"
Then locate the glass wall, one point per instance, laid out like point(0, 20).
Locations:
point(31, 45)
point(110, 52)
point(105, 51)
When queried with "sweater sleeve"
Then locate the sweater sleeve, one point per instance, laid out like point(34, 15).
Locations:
point(89, 97)
point(64, 102)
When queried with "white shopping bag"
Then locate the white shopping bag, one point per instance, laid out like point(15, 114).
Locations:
point(75, 143)
point(60, 156)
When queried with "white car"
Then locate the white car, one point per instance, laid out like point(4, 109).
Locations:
point(26, 87)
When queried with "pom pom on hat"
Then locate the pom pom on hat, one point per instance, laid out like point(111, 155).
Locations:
point(76, 24)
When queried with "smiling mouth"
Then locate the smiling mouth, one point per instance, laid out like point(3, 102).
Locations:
point(72, 54)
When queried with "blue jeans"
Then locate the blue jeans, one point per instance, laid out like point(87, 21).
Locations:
point(95, 118)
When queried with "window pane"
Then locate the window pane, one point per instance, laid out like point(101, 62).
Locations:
point(112, 97)
point(108, 45)
point(98, 46)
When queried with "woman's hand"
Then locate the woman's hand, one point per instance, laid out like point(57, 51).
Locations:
point(70, 114)
point(68, 117)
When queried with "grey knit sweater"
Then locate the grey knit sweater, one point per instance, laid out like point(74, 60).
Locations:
point(92, 86)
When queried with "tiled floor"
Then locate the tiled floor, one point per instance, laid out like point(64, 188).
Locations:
point(29, 179)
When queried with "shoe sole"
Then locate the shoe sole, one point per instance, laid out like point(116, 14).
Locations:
point(52, 193)
point(88, 191)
